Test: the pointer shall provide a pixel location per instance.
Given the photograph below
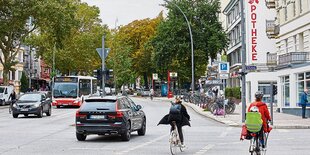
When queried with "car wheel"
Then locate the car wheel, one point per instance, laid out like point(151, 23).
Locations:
point(40, 114)
point(126, 135)
point(26, 115)
point(2, 102)
point(49, 112)
point(80, 137)
point(141, 132)
point(15, 115)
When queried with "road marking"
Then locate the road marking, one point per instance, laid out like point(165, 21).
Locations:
point(224, 134)
point(283, 130)
point(205, 149)
point(89, 148)
point(142, 145)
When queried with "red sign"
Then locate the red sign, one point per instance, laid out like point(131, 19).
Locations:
point(253, 6)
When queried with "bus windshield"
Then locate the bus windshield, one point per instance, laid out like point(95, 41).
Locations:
point(65, 90)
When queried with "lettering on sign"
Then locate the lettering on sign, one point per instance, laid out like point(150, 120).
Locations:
point(253, 7)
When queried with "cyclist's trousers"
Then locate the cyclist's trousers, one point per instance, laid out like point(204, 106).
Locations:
point(180, 132)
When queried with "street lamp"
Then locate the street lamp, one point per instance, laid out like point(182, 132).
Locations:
point(192, 44)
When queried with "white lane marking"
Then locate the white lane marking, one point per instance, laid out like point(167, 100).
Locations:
point(205, 149)
point(224, 134)
point(142, 145)
point(89, 148)
point(283, 130)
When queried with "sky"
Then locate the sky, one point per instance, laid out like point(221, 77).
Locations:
point(122, 12)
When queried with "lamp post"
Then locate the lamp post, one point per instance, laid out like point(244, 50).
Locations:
point(192, 43)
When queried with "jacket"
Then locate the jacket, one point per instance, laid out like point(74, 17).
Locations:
point(304, 98)
point(184, 117)
point(263, 109)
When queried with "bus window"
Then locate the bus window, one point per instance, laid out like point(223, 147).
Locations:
point(85, 87)
point(94, 86)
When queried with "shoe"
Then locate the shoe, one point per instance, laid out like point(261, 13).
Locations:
point(183, 146)
point(304, 118)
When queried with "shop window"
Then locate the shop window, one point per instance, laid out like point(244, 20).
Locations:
point(285, 85)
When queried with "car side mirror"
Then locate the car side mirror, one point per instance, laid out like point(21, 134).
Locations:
point(139, 107)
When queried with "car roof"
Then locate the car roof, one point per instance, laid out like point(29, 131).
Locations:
point(34, 93)
point(104, 98)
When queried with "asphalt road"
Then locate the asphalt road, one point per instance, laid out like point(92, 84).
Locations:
point(56, 135)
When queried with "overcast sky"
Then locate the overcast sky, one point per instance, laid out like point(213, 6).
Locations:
point(126, 11)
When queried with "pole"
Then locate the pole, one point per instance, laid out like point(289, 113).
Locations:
point(103, 66)
point(243, 100)
point(271, 102)
point(192, 43)
point(29, 67)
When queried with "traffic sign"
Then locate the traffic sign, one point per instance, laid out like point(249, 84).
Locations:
point(99, 51)
point(224, 67)
point(155, 76)
point(224, 76)
point(173, 74)
point(250, 67)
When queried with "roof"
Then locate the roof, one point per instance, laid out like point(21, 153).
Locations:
point(229, 6)
point(104, 98)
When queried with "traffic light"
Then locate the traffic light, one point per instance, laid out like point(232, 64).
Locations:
point(274, 90)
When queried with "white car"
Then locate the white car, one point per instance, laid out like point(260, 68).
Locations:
point(108, 90)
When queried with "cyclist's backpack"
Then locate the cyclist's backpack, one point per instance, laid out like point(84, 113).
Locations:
point(253, 121)
point(175, 109)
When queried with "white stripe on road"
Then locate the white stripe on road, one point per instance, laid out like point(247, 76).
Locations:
point(282, 130)
point(144, 144)
point(205, 149)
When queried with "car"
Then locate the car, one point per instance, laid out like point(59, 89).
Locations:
point(5, 92)
point(145, 92)
point(32, 103)
point(109, 115)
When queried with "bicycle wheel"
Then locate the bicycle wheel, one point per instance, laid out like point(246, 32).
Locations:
point(173, 142)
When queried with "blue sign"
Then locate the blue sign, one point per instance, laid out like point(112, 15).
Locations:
point(250, 67)
point(224, 67)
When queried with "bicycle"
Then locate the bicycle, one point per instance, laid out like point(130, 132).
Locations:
point(256, 146)
point(174, 140)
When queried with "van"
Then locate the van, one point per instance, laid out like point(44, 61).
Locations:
point(5, 92)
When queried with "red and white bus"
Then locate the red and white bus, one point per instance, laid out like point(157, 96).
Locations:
point(71, 90)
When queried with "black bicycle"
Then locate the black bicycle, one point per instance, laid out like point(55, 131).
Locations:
point(256, 144)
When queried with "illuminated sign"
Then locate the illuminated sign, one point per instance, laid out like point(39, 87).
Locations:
point(66, 79)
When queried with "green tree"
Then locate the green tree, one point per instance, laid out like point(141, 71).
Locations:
point(24, 83)
point(172, 41)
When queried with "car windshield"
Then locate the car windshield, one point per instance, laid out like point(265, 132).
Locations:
point(65, 90)
point(30, 97)
point(1, 90)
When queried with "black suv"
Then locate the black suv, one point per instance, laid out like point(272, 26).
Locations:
point(109, 115)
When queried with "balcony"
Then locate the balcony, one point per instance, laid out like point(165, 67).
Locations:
point(287, 60)
point(272, 29)
point(271, 4)
point(293, 58)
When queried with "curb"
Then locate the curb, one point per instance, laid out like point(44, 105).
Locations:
point(231, 123)
point(4, 107)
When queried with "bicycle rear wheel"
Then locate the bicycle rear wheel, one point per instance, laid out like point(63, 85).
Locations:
point(173, 142)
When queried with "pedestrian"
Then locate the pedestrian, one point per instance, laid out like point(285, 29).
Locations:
point(151, 93)
point(303, 102)
point(13, 100)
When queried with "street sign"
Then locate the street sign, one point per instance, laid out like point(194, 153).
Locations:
point(250, 68)
point(155, 76)
point(224, 67)
point(173, 74)
point(224, 76)
point(99, 51)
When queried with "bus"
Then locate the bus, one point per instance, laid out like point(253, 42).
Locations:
point(71, 90)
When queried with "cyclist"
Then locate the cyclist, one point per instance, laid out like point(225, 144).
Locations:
point(13, 100)
point(263, 109)
point(181, 119)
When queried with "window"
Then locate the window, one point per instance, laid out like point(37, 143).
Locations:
point(85, 87)
point(94, 84)
point(286, 45)
point(294, 9)
point(285, 85)
point(285, 9)
point(300, 6)
point(303, 82)
point(295, 43)
point(301, 42)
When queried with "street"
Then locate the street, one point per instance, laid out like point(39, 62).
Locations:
point(56, 135)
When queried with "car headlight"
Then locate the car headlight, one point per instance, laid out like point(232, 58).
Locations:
point(15, 105)
point(36, 105)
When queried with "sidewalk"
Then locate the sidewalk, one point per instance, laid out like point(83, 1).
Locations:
point(281, 120)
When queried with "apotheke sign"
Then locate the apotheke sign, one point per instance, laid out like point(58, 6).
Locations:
point(253, 16)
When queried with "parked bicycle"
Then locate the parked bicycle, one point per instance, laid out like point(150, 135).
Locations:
point(174, 140)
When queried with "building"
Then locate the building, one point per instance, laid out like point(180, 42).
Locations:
point(291, 59)
point(257, 46)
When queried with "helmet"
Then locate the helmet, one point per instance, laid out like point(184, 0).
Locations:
point(259, 95)
point(254, 109)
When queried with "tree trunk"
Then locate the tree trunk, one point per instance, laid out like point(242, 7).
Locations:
point(5, 76)
point(146, 83)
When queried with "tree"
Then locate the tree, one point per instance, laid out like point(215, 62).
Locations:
point(77, 45)
point(172, 41)
point(136, 35)
point(24, 83)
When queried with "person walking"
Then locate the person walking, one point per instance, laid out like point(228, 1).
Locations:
point(13, 100)
point(151, 93)
point(303, 102)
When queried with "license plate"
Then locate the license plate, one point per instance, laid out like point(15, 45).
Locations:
point(24, 109)
point(97, 117)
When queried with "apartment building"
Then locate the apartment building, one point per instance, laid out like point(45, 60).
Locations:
point(257, 45)
point(291, 59)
